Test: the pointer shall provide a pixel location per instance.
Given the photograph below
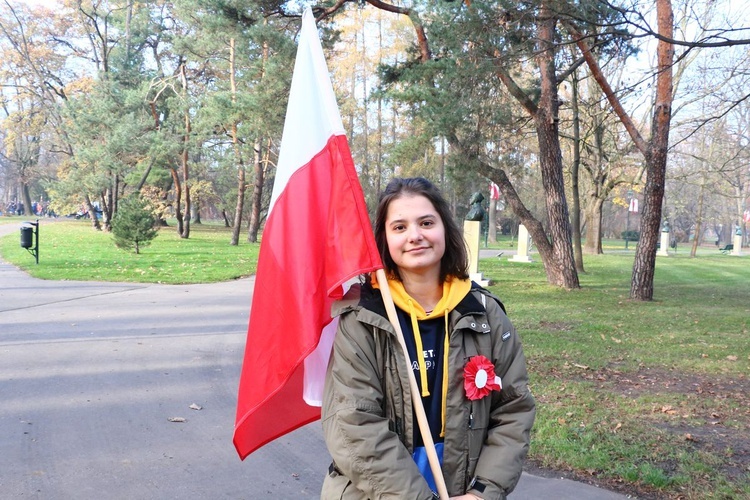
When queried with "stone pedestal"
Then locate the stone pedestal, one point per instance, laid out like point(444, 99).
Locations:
point(737, 242)
point(664, 245)
point(472, 235)
point(523, 245)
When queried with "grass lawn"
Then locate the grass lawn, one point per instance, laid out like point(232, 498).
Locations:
point(648, 398)
point(652, 399)
point(70, 249)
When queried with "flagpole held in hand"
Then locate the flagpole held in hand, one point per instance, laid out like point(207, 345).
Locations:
point(424, 428)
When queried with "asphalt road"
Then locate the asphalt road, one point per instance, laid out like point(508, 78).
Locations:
point(92, 375)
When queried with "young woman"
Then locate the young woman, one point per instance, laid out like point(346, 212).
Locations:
point(465, 354)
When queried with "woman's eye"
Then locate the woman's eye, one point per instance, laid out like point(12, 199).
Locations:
point(427, 223)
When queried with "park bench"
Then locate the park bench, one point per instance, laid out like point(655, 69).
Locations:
point(727, 248)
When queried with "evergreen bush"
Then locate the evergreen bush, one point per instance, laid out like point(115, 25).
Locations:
point(134, 224)
point(631, 235)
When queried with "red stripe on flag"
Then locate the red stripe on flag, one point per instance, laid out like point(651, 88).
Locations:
point(317, 236)
point(494, 191)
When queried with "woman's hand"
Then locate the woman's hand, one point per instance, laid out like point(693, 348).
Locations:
point(467, 496)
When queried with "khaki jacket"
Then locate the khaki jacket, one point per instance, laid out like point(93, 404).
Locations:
point(367, 408)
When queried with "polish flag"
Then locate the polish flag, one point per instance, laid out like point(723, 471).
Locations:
point(317, 237)
point(494, 191)
point(633, 205)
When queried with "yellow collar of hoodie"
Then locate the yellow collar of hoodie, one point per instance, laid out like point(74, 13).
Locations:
point(454, 290)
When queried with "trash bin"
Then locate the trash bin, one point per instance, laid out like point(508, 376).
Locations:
point(27, 237)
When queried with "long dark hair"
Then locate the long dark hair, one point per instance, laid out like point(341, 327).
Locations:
point(455, 261)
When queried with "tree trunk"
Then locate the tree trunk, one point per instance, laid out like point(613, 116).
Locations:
point(92, 214)
point(259, 163)
point(195, 211)
point(699, 219)
point(185, 233)
point(575, 192)
point(593, 244)
point(105, 200)
point(241, 184)
point(642, 285)
point(561, 269)
point(177, 199)
point(26, 197)
point(116, 197)
point(255, 206)
point(240, 205)
point(144, 177)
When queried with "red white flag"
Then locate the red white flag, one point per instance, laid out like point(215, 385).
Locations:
point(494, 191)
point(633, 205)
point(317, 236)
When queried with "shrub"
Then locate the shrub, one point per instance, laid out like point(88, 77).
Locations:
point(133, 226)
point(631, 235)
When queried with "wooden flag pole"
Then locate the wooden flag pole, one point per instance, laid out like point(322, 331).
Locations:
point(424, 427)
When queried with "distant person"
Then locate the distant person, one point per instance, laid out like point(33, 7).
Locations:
point(466, 357)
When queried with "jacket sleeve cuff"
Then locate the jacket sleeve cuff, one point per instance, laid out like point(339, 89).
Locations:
point(485, 490)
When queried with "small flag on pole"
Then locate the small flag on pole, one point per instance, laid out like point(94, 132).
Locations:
point(317, 236)
point(494, 191)
point(633, 205)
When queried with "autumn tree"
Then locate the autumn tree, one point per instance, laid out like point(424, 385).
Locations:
point(33, 76)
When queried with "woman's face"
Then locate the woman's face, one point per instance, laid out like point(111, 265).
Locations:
point(415, 234)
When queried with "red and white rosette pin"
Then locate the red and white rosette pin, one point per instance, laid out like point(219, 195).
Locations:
point(480, 378)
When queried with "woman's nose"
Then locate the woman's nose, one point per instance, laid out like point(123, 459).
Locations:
point(415, 233)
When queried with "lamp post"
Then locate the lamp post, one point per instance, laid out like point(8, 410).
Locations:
point(627, 219)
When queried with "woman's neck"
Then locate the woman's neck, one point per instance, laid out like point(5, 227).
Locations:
point(427, 290)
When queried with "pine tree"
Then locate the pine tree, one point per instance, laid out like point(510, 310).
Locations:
point(134, 225)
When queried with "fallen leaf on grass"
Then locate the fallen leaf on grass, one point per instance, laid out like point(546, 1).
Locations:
point(582, 367)
point(689, 437)
point(617, 427)
point(616, 341)
point(732, 358)
point(668, 410)
point(177, 419)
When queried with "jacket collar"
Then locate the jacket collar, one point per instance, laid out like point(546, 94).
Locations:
point(368, 299)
